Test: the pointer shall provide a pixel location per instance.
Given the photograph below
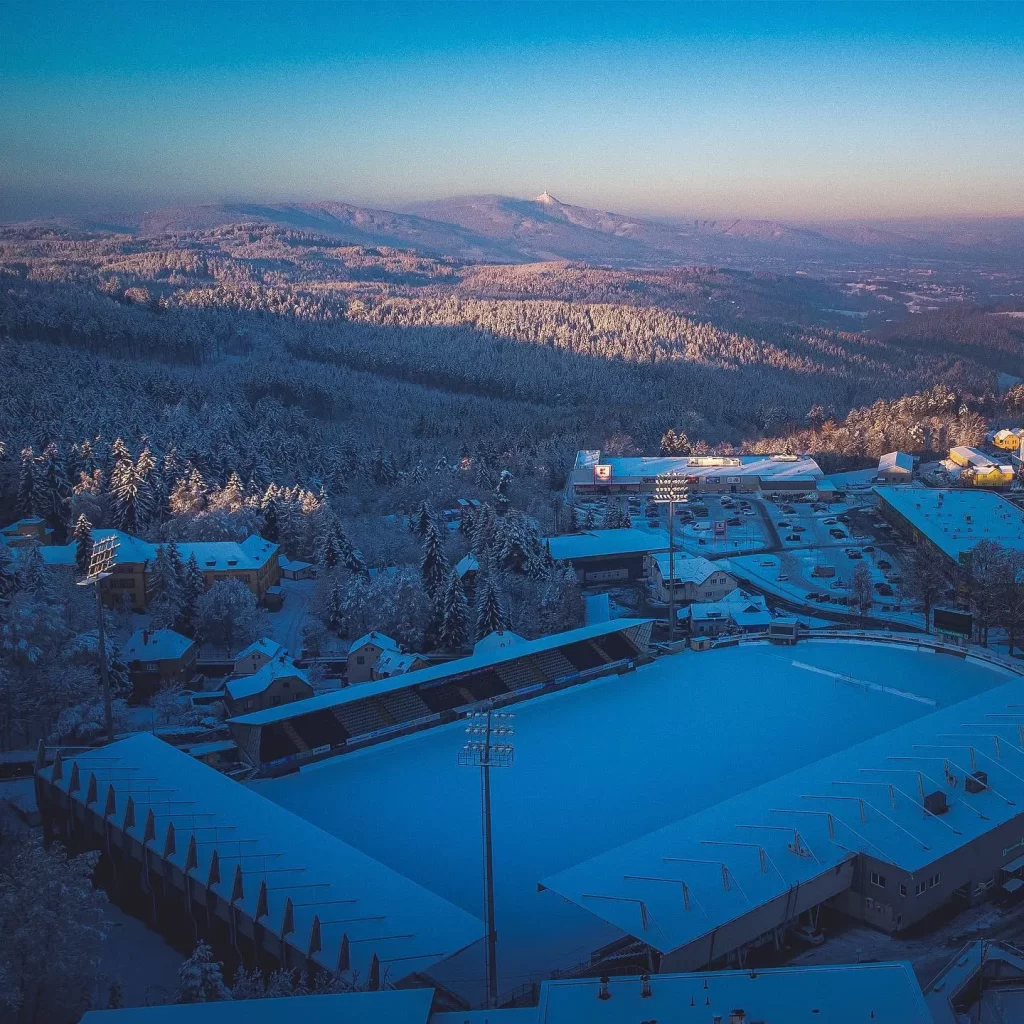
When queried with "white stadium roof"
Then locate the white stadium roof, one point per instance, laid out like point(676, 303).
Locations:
point(863, 799)
point(314, 891)
point(606, 543)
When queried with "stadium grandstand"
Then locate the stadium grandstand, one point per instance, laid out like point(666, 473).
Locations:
point(279, 739)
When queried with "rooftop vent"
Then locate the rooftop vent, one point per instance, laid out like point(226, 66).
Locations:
point(976, 782)
point(935, 803)
point(232, 561)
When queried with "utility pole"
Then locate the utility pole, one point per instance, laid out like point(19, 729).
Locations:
point(489, 747)
point(670, 488)
point(101, 562)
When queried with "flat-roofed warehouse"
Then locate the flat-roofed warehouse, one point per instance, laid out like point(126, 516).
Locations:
point(888, 831)
point(607, 556)
point(594, 475)
point(952, 521)
point(280, 739)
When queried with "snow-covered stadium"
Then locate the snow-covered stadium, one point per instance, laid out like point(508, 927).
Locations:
point(671, 815)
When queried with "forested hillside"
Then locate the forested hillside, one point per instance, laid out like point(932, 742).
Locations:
point(251, 347)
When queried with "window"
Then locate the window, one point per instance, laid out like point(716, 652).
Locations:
point(903, 890)
point(920, 888)
point(275, 701)
point(934, 880)
point(360, 660)
point(249, 705)
point(877, 879)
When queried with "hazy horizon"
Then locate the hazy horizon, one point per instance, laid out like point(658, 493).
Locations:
point(801, 113)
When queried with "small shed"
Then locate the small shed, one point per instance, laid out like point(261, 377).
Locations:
point(896, 467)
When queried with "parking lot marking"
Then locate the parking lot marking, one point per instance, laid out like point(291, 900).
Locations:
point(839, 676)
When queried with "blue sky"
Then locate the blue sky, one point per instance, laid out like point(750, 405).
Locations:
point(796, 111)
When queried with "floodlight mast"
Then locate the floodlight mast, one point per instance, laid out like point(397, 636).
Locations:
point(670, 488)
point(101, 562)
point(489, 746)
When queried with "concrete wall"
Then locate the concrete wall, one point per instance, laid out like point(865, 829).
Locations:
point(760, 923)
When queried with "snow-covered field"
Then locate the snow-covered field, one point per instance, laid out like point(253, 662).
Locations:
point(603, 763)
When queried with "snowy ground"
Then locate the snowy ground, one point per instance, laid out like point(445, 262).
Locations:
point(285, 626)
point(603, 763)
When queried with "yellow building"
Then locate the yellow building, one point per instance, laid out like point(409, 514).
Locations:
point(974, 468)
point(1007, 439)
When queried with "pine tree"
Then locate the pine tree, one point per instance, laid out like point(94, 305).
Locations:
point(329, 555)
point(28, 499)
point(117, 673)
point(512, 542)
point(201, 978)
point(55, 500)
point(434, 567)
point(9, 581)
point(454, 615)
point(193, 587)
point(132, 501)
point(165, 583)
point(489, 617)
point(336, 613)
point(82, 536)
point(502, 494)
point(420, 522)
point(351, 558)
point(270, 529)
point(574, 519)
point(35, 576)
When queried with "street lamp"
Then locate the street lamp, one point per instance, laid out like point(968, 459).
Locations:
point(101, 562)
point(670, 488)
point(489, 746)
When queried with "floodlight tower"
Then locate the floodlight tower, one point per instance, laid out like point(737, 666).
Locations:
point(489, 746)
point(670, 488)
point(101, 562)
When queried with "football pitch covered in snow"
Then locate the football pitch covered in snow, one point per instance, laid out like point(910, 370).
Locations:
point(603, 763)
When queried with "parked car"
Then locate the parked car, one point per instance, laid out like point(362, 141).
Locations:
point(807, 935)
point(884, 589)
point(797, 528)
point(868, 547)
point(837, 533)
point(793, 536)
point(883, 564)
point(735, 521)
point(829, 522)
point(854, 554)
point(843, 519)
point(783, 525)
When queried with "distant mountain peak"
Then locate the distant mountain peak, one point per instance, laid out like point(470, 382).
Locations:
point(548, 199)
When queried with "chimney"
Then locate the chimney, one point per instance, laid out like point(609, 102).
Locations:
point(145, 637)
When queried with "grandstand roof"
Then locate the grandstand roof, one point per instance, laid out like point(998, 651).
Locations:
point(393, 1006)
point(955, 520)
point(606, 543)
point(778, 467)
point(450, 668)
point(840, 806)
point(242, 834)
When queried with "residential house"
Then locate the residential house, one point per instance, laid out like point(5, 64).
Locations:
point(695, 578)
point(364, 654)
point(255, 656)
point(496, 641)
point(25, 532)
point(736, 612)
point(156, 658)
point(291, 569)
point(277, 682)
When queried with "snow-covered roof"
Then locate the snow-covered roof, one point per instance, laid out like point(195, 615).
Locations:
point(265, 646)
point(293, 564)
point(645, 469)
point(155, 645)
point(449, 668)
point(605, 543)
point(887, 993)
point(955, 520)
point(198, 820)
point(686, 568)
point(496, 641)
point(467, 563)
point(892, 826)
point(252, 553)
point(896, 460)
point(58, 554)
point(282, 667)
point(394, 663)
point(391, 1006)
point(598, 607)
point(385, 643)
point(742, 609)
point(972, 456)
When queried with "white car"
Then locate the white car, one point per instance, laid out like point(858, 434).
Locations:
point(805, 933)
